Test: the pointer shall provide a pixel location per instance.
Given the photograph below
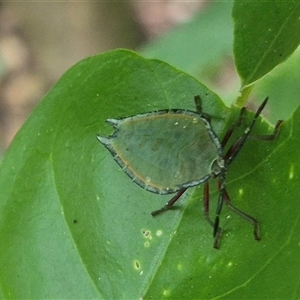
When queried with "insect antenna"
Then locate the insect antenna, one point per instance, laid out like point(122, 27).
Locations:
point(237, 146)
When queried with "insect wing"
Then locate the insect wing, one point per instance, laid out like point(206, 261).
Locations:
point(161, 151)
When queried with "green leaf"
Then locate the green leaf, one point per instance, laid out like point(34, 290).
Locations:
point(73, 225)
point(282, 86)
point(266, 33)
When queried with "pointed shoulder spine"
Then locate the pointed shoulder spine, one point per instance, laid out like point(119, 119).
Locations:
point(114, 122)
point(104, 140)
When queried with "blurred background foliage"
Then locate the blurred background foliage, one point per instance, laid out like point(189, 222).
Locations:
point(39, 41)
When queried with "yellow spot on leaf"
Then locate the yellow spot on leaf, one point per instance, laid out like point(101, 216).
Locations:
point(159, 232)
point(179, 267)
point(136, 265)
point(291, 174)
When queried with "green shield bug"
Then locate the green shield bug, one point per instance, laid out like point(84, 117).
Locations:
point(169, 151)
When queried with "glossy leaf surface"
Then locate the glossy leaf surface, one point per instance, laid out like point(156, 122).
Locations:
point(266, 34)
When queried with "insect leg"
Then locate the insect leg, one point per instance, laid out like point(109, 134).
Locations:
point(268, 137)
point(233, 127)
point(198, 104)
point(206, 204)
point(237, 146)
point(170, 203)
point(218, 233)
point(224, 197)
point(245, 216)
